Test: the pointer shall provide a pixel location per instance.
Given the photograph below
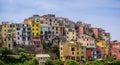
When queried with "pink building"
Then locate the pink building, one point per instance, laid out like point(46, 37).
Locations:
point(95, 31)
point(80, 30)
point(115, 49)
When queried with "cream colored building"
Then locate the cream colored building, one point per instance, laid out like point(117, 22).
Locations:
point(70, 34)
point(41, 58)
point(70, 50)
point(5, 28)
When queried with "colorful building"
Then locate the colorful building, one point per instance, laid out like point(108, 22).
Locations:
point(70, 50)
point(115, 49)
point(70, 34)
point(1, 36)
point(23, 34)
point(11, 36)
point(89, 43)
point(102, 49)
point(95, 32)
point(5, 28)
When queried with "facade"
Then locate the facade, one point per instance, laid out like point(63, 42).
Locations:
point(89, 43)
point(70, 34)
point(42, 57)
point(5, 28)
point(70, 50)
point(102, 49)
point(23, 34)
point(1, 36)
point(34, 23)
point(115, 50)
point(11, 36)
point(76, 40)
point(95, 32)
point(45, 31)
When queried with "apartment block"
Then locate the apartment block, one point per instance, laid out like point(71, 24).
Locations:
point(5, 28)
point(90, 46)
point(11, 36)
point(70, 50)
point(1, 36)
point(95, 32)
point(23, 34)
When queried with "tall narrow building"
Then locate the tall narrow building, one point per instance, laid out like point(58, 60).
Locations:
point(1, 36)
point(5, 28)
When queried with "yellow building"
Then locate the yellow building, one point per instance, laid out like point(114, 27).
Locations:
point(105, 47)
point(5, 28)
point(35, 27)
point(70, 50)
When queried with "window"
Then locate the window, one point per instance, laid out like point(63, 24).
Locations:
point(37, 29)
point(52, 27)
point(4, 39)
point(73, 32)
point(41, 32)
point(23, 39)
point(28, 28)
point(50, 23)
point(50, 20)
point(37, 21)
point(78, 53)
point(18, 38)
point(82, 52)
point(13, 25)
point(67, 33)
point(87, 44)
point(33, 34)
point(9, 39)
point(73, 36)
point(23, 29)
point(37, 34)
point(18, 33)
point(61, 48)
point(41, 22)
point(72, 53)
point(33, 25)
point(87, 39)
point(52, 32)
point(10, 25)
point(28, 38)
point(37, 25)
point(33, 29)
point(56, 28)
point(18, 28)
point(9, 45)
point(72, 49)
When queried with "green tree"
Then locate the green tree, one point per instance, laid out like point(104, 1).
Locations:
point(49, 62)
point(23, 56)
point(5, 51)
point(115, 62)
point(72, 62)
point(58, 62)
point(20, 50)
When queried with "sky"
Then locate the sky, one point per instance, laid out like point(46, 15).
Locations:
point(100, 13)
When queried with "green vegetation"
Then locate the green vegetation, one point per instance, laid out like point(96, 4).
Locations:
point(53, 62)
point(21, 59)
point(5, 51)
point(72, 62)
point(7, 58)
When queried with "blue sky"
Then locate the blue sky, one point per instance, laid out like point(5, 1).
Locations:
point(99, 13)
